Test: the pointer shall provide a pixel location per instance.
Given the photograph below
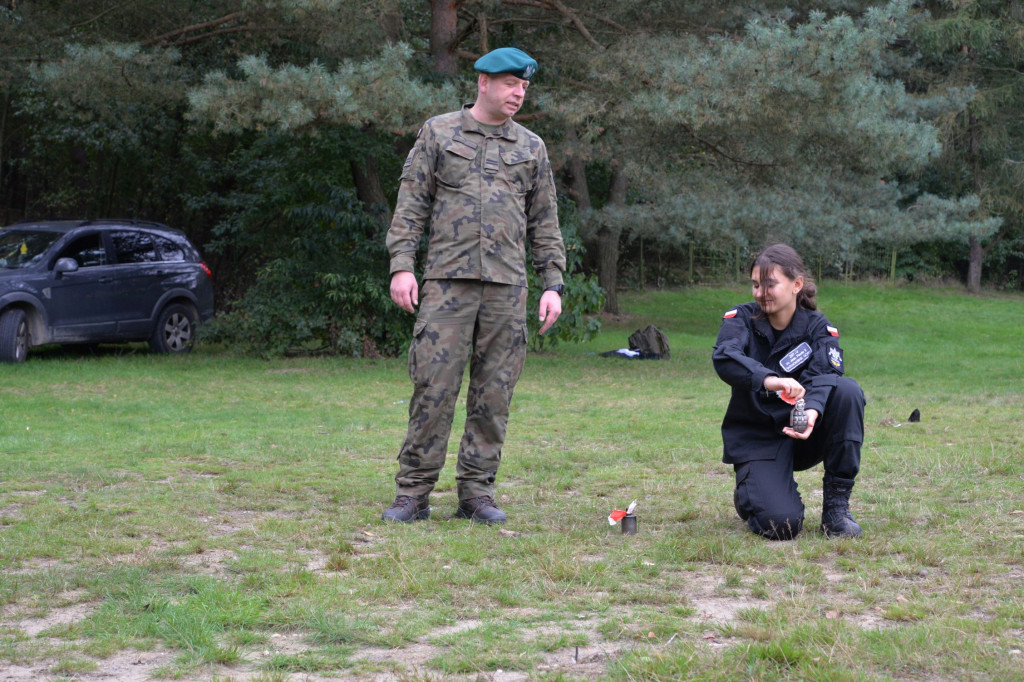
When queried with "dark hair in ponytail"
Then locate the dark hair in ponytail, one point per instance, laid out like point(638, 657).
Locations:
point(790, 264)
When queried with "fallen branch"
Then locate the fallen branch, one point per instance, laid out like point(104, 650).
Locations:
point(193, 28)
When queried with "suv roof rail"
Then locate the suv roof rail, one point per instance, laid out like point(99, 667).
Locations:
point(126, 221)
point(152, 224)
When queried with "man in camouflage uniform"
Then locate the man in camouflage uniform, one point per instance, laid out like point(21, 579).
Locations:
point(484, 183)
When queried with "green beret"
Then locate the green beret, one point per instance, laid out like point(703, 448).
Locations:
point(507, 60)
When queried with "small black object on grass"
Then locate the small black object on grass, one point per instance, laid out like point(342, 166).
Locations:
point(915, 416)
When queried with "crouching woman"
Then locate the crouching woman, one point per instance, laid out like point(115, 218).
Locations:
point(773, 352)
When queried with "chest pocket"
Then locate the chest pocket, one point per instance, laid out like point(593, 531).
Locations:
point(455, 161)
point(519, 165)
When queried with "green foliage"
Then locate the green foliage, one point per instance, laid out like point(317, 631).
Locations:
point(583, 297)
point(97, 121)
point(326, 290)
point(977, 47)
point(827, 124)
point(794, 128)
point(377, 92)
point(113, 97)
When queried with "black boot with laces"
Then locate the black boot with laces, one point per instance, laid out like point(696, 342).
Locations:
point(480, 509)
point(406, 509)
point(836, 519)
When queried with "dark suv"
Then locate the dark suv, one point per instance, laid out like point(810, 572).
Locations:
point(96, 281)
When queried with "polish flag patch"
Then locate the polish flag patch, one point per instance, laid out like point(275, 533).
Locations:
point(832, 330)
point(731, 313)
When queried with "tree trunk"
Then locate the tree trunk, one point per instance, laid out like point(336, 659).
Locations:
point(443, 30)
point(369, 190)
point(976, 254)
point(3, 146)
point(608, 243)
point(576, 174)
point(481, 19)
point(391, 21)
point(974, 265)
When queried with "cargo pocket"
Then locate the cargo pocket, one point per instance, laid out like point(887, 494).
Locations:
point(454, 162)
point(517, 356)
point(518, 170)
point(519, 340)
point(414, 348)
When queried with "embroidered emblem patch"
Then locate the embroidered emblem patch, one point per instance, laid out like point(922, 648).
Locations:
point(795, 357)
point(731, 313)
point(835, 357)
point(832, 330)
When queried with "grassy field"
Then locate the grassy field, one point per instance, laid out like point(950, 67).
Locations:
point(215, 517)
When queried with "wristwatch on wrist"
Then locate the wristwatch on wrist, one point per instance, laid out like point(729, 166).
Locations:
point(558, 289)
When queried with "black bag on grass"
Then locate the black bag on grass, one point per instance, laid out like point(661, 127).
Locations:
point(650, 342)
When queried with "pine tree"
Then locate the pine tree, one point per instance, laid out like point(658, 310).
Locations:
point(977, 48)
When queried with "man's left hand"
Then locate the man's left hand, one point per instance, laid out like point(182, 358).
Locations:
point(550, 309)
point(812, 419)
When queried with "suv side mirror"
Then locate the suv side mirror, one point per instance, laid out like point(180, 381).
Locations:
point(65, 265)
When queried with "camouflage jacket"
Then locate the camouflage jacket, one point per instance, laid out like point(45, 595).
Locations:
point(485, 195)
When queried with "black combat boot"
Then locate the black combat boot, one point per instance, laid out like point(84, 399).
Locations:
point(406, 509)
point(836, 519)
point(480, 509)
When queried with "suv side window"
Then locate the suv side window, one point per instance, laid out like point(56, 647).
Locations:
point(87, 250)
point(169, 249)
point(134, 247)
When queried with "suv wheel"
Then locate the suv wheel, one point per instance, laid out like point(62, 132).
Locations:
point(13, 336)
point(175, 329)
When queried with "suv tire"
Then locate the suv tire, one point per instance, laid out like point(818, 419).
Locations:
point(13, 336)
point(175, 329)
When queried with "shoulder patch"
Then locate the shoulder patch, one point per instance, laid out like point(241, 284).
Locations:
point(832, 330)
point(731, 313)
point(835, 357)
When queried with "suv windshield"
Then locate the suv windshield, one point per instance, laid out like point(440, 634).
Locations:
point(22, 248)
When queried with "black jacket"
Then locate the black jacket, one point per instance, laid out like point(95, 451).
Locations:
point(747, 351)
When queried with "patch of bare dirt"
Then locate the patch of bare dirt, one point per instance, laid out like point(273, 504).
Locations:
point(12, 512)
point(210, 562)
point(585, 661)
point(232, 522)
point(32, 566)
point(127, 666)
point(63, 615)
point(715, 605)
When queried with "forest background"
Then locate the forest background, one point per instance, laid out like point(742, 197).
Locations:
point(882, 140)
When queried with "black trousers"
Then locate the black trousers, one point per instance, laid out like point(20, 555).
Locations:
point(766, 494)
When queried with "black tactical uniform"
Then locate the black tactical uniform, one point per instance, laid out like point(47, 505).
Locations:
point(749, 350)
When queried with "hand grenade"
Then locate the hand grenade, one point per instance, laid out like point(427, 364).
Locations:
point(797, 417)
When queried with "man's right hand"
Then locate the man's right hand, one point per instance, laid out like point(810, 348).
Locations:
point(405, 291)
point(789, 390)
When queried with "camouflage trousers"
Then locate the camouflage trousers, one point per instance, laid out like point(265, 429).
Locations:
point(460, 321)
